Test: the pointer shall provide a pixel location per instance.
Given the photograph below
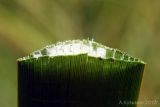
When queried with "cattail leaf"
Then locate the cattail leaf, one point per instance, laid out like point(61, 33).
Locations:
point(79, 73)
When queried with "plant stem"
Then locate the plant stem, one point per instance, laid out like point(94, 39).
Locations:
point(78, 81)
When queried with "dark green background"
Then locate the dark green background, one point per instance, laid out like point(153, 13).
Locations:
point(130, 25)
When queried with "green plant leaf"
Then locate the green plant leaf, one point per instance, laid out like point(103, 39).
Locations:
point(79, 73)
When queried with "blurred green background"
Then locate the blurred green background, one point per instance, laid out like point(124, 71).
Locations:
point(130, 25)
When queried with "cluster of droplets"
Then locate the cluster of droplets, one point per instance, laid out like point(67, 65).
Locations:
point(76, 47)
point(73, 47)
